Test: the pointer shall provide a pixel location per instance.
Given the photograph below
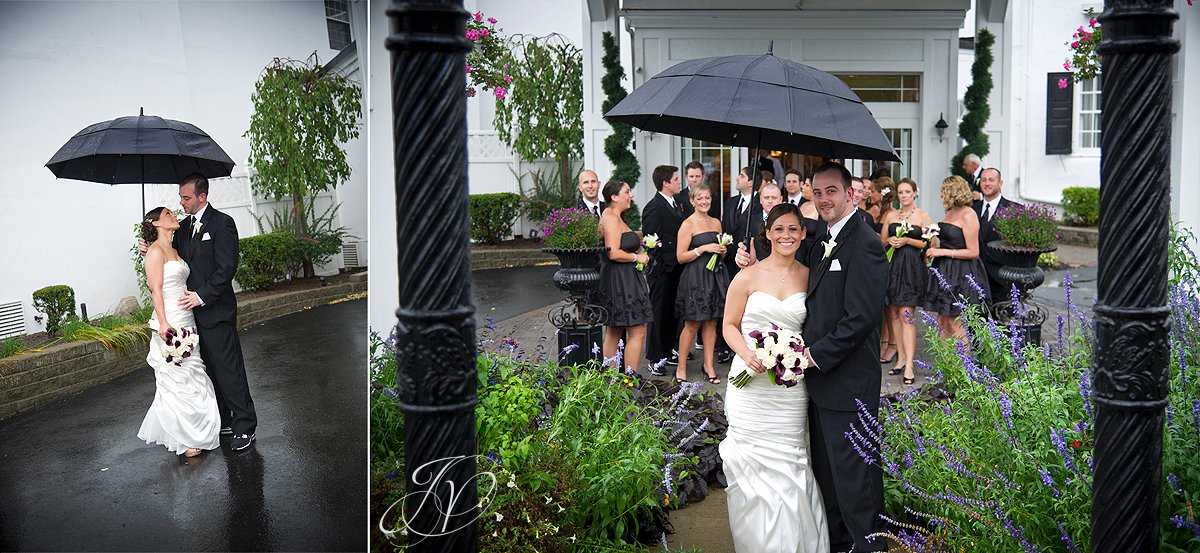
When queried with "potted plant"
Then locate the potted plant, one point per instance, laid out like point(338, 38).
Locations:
point(1026, 232)
point(573, 235)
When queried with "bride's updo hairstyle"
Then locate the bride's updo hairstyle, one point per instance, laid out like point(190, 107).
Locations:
point(149, 232)
point(774, 215)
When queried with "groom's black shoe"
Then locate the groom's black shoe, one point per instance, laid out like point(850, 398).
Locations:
point(226, 430)
point(241, 441)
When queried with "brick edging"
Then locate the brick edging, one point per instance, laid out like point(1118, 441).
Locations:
point(502, 259)
point(31, 380)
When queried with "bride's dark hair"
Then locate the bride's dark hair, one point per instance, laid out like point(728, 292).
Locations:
point(776, 212)
point(149, 233)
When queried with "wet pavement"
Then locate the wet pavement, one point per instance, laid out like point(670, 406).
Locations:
point(505, 293)
point(75, 477)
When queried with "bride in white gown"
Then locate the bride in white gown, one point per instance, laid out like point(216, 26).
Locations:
point(183, 416)
point(773, 499)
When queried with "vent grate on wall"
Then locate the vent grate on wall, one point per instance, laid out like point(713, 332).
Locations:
point(12, 319)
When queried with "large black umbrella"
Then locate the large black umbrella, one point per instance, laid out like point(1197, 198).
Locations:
point(760, 101)
point(140, 149)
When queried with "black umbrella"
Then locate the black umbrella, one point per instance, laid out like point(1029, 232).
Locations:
point(140, 149)
point(759, 101)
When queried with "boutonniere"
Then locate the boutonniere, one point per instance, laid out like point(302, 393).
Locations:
point(196, 227)
point(828, 247)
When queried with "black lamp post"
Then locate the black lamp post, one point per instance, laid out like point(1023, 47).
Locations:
point(436, 376)
point(1131, 315)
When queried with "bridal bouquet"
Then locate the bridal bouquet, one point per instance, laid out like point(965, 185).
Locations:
point(901, 232)
point(723, 239)
point(781, 352)
point(650, 241)
point(180, 344)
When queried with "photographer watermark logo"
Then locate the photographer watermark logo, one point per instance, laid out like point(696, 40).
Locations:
point(439, 502)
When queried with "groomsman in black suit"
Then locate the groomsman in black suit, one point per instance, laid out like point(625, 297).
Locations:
point(793, 187)
point(208, 241)
point(694, 174)
point(662, 216)
point(589, 193)
point(990, 184)
point(972, 165)
point(845, 306)
point(739, 212)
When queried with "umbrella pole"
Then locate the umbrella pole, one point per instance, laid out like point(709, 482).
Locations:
point(753, 189)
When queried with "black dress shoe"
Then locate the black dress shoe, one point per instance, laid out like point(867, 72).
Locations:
point(241, 441)
point(724, 356)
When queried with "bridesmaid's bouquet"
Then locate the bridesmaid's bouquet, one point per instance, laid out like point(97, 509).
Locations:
point(723, 239)
point(929, 233)
point(650, 241)
point(901, 232)
point(781, 352)
point(180, 344)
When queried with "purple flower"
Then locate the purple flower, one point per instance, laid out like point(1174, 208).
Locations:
point(491, 20)
point(1067, 539)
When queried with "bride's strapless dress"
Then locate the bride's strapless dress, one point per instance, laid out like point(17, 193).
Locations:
point(184, 413)
point(774, 503)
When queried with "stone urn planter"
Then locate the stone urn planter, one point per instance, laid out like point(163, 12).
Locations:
point(1020, 268)
point(579, 321)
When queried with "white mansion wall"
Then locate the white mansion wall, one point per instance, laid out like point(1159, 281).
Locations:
point(65, 65)
point(924, 42)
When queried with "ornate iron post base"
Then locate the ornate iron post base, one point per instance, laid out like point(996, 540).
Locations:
point(580, 323)
point(436, 375)
point(1131, 351)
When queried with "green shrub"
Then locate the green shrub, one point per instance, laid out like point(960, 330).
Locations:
point(1081, 206)
point(571, 227)
point(10, 347)
point(264, 259)
point(493, 216)
point(57, 303)
point(1049, 261)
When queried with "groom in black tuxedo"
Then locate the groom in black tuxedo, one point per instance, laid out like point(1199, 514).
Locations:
point(208, 241)
point(845, 304)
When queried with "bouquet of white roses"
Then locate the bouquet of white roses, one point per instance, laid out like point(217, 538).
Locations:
point(781, 352)
point(724, 240)
point(901, 232)
point(650, 241)
point(180, 344)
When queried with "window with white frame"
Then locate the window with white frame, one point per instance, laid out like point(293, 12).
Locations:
point(716, 159)
point(337, 22)
point(1088, 110)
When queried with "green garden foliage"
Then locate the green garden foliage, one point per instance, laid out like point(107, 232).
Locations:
point(546, 194)
point(996, 454)
point(1081, 206)
point(10, 347)
point(493, 215)
point(264, 259)
point(302, 115)
point(542, 117)
point(57, 304)
point(322, 242)
point(976, 103)
point(583, 458)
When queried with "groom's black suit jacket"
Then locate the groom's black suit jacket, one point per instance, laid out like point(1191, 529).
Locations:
point(845, 309)
point(992, 260)
point(212, 255)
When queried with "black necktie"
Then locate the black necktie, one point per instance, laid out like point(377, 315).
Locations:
point(596, 211)
point(742, 204)
point(986, 212)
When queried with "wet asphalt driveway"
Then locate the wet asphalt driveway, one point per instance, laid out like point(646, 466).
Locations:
point(74, 476)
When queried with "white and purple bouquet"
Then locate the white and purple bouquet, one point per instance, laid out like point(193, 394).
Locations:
point(180, 344)
point(901, 232)
point(781, 352)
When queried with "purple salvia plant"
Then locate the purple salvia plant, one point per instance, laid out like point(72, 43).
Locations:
point(941, 279)
point(1067, 539)
point(1181, 522)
